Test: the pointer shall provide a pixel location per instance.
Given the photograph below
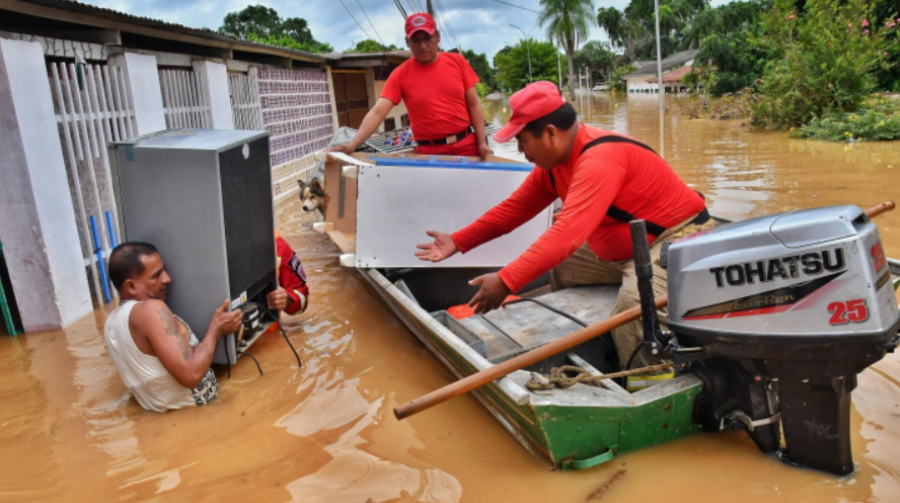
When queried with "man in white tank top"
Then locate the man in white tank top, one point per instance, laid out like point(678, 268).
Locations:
point(160, 359)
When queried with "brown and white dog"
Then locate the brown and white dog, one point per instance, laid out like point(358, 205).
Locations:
point(312, 194)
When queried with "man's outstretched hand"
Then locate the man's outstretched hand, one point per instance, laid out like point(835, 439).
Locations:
point(345, 148)
point(491, 295)
point(442, 248)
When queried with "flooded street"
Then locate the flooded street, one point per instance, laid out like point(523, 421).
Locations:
point(326, 433)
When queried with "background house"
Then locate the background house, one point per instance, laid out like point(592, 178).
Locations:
point(639, 81)
point(75, 77)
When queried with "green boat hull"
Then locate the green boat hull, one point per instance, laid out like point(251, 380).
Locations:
point(575, 428)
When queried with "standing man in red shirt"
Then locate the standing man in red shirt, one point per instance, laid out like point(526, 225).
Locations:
point(439, 91)
point(605, 180)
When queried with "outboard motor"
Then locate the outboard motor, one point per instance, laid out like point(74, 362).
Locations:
point(777, 315)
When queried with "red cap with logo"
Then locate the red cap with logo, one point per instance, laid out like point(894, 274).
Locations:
point(533, 102)
point(420, 21)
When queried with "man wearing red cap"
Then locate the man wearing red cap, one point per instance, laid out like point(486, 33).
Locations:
point(439, 91)
point(605, 180)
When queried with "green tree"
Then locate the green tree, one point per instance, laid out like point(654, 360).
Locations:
point(728, 61)
point(482, 67)
point(634, 29)
point(826, 61)
point(260, 20)
point(258, 23)
point(512, 66)
point(567, 23)
point(369, 45)
point(624, 32)
point(598, 58)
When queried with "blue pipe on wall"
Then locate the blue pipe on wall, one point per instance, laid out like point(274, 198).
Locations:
point(100, 265)
point(109, 229)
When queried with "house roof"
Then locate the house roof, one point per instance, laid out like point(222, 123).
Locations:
point(673, 76)
point(100, 17)
point(674, 61)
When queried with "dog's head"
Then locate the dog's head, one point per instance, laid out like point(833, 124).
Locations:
point(312, 195)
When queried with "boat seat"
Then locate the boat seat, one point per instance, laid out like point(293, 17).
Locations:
point(519, 327)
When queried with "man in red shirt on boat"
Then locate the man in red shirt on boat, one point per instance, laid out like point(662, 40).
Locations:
point(439, 91)
point(605, 180)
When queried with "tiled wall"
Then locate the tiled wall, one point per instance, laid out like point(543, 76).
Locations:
point(296, 109)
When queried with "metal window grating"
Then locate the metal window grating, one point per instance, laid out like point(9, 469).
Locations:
point(245, 102)
point(184, 100)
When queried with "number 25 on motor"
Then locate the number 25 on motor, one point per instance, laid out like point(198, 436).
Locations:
point(852, 311)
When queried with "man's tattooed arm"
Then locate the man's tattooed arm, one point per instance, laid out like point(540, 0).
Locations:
point(171, 328)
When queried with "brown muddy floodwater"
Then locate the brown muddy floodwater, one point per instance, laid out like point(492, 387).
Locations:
point(69, 430)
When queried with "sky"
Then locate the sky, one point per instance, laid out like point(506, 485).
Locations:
point(480, 25)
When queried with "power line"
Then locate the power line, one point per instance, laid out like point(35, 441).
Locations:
point(383, 47)
point(517, 6)
point(414, 5)
point(441, 10)
point(402, 10)
point(354, 18)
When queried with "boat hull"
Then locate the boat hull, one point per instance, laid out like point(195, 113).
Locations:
point(575, 428)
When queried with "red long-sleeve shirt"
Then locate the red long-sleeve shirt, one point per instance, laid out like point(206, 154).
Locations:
point(628, 176)
point(291, 277)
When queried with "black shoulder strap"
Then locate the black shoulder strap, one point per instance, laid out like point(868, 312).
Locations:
point(613, 211)
point(599, 141)
point(614, 139)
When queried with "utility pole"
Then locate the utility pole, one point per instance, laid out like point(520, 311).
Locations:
point(661, 88)
point(429, 7)
point(559, 67)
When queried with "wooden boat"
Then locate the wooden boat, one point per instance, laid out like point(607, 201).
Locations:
point(572, 428)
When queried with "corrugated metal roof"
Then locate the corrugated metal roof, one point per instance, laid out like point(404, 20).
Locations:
point(102, 12)
point(674, 61)
point(673, 76)
point(364, 55)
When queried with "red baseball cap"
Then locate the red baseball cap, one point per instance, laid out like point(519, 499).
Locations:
point(420, 21)
point(533, 102)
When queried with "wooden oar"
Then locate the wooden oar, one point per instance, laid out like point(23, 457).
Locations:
point(486, 376)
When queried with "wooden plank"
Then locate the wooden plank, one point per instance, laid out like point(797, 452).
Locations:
point(345, 222)
point(342, 241)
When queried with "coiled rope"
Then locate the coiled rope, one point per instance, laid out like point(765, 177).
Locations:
point(557, 377)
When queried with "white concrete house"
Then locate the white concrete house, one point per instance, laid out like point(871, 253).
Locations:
point(643, 80)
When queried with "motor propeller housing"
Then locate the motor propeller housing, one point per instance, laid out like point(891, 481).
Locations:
point(782, 312)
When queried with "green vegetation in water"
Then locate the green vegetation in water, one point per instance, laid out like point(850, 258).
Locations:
point(878, 119)
point(826, 59)
point(728, 106)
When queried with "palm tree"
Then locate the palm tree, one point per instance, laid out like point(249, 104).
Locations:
point(624, 31)
point(567, 25)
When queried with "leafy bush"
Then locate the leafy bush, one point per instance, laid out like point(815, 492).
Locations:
point(877, 120)
point(727, 61)
point(482, 89)
point(616, 80)
point(825, 61)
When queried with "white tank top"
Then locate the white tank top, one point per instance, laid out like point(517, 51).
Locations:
point(144, 375)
